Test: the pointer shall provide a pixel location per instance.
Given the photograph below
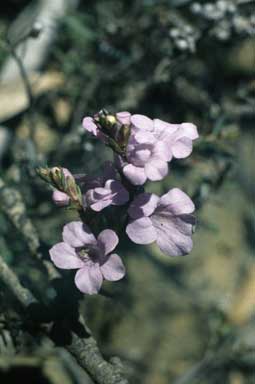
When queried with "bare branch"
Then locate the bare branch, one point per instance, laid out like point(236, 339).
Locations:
point(84, 349)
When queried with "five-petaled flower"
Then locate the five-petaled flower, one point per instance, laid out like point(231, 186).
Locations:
point(168, 220)
point(92, 257)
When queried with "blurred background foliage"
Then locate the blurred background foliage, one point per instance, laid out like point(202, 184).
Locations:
point(184, 320)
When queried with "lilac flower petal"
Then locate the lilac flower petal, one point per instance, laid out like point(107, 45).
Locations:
point(189, 130)
point(67, 173)
point(89, 125)
point(142, 122)
point(177, 202)
point(107, 241)
point(143, 205)
point(141, 156)
point(77, 234)
point(113, 269)
point(64, 256)
point(173, 235)
point(162, 128)
point(136, 175)
point(123, 117)
point(99, 193)
point(60, 198)
point(89, 279)
point(100, 205)
point(182, 148)
point(141, 231)
point(113, 186)
point(156, 169)
point(119, 194)
point(144, 137)
point(163, 151)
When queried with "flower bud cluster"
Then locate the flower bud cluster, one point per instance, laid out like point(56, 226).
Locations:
point(66, 190)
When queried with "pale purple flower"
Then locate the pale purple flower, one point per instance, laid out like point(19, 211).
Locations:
point(167, 220)
point(112, 193)
point(123, 117)
point(92, 257)
point(61, 198)
point(146, 158)
point(152, 144)
point(101, 191)
point(178, 138)
point(141, 122)
point(90, 126)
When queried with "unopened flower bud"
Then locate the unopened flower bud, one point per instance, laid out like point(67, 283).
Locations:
point(60, 198)
point(123, 117)
point(44, 173)
point(55, 174)
point(123, 136)
point(110, 120)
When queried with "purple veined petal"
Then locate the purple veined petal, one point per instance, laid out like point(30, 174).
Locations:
point(89, 125)
point(189, 130)
point(77, 234)
point(64, 256)
point(143, 205)
point(182, 148)
point(173, 234)
point(123, 117)
point(60, 198)
point(177, 202)
point(162, 151)
point(142, 122)
point(113, 269)
point(156, 169)
point(107, 241)
point(135, 175)
point(141, 231)
point(89, 279)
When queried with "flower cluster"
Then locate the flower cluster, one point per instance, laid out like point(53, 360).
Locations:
point(142, 150)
